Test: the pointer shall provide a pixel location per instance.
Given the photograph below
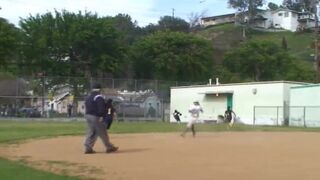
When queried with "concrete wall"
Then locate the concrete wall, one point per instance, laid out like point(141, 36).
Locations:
point(245, 97)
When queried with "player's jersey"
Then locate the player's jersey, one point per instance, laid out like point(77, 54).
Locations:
point(195, 110)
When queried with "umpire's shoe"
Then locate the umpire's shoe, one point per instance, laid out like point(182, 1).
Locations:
point(113, 149)
point(89, 152)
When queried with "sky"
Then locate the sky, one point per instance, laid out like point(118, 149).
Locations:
point(142, 11)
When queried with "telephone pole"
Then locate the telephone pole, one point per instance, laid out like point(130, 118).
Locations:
point(316, 46)
point(173, 12)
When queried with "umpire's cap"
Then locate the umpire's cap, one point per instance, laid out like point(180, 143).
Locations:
point(96, 87)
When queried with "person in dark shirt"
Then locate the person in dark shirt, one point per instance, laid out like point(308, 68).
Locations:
point(176, 115)
point(95, 111)
point(229, 116)
point(108, 119)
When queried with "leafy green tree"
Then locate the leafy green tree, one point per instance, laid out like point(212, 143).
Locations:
point(299, 5)
point(301, 71)
point(64, 43)
point(69, 44)
point(172, 56)
point(259, 60)
point(168, 23)
point(173, 24)
point(246, 5)
point(9, 45)
point(272, 6)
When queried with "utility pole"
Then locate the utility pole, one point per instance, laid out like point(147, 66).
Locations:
point(173, 12)
point(316, 46)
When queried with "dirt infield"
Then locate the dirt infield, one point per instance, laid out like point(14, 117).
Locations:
point(221, 156)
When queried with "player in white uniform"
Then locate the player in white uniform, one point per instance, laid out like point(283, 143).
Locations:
point(194, 110)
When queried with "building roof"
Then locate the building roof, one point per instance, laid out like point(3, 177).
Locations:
point(219, 16)
point(245, 83)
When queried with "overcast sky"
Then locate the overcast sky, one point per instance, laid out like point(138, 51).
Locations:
point(143, 11)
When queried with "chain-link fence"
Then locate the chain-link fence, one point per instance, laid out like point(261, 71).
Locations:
point(305, 116)
point(302, 116)
point(64, 97)
point(268, 115)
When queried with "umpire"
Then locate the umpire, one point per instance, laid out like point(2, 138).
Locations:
point(95, 111)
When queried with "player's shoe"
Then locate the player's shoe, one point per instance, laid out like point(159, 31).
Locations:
point(113, 149)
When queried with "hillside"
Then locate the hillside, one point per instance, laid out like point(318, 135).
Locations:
point(228, 36)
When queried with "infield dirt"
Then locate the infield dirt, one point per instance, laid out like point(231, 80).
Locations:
point(221, 156)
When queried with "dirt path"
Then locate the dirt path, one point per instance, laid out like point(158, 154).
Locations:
point(223, 156)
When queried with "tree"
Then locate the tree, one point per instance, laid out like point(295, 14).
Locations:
point(299, 5)
point(173, 24)
point(258, 60)
point(284, 43)
point(195, 18)
point(9, 45)
point(73, 44)
point(246, 8)
point(172, 56)
point(250, 6)
point(69, 44)
point(272, 6)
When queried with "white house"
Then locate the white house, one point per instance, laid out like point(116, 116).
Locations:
point(248, 100)
point(305, 106)
point(281, 18)
point(215, 20)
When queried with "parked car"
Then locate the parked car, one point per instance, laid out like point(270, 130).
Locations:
point(29, 112)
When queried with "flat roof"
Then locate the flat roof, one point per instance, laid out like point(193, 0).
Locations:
point(245, 83)
point(305, 86)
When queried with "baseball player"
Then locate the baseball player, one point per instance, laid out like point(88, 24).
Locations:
point(194, 111)
point(229, 116)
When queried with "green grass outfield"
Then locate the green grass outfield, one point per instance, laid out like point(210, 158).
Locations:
point(12, 132)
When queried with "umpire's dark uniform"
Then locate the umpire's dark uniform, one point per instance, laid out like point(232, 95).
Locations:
point(95, 111)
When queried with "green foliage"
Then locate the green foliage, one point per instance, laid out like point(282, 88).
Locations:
point(9, 44)
point(299, 5)
point(173, 24)
point(65, 43)
point(172, 56)
point(273, 6)
point(246, 5)
point(259, 60)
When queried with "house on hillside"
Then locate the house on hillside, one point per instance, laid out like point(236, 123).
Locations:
point(215, 20)
point(281, 18)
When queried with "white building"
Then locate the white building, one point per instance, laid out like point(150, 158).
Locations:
point(305, 105)
point(248, 101)
point(281, 18)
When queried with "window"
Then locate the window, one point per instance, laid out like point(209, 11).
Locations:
point(279, 14)
point(286, 14)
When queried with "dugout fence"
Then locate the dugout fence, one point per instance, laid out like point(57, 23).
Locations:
point(301, 116)
point(53, 97)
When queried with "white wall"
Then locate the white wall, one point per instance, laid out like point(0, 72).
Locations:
point(244, 100)
point(289, 22)
point(305, 102)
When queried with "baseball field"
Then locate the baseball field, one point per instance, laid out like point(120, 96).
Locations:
point(54, 150)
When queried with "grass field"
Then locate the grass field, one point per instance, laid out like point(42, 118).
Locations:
point(12, 132)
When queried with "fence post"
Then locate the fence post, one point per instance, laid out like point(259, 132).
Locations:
point(43, 103)
point(304, 117)
point(277, 115)
point(254, 116)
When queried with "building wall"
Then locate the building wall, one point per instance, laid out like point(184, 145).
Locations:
point(285, 19)
point(245, 97)
point(305, 106)
point(218, 20)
